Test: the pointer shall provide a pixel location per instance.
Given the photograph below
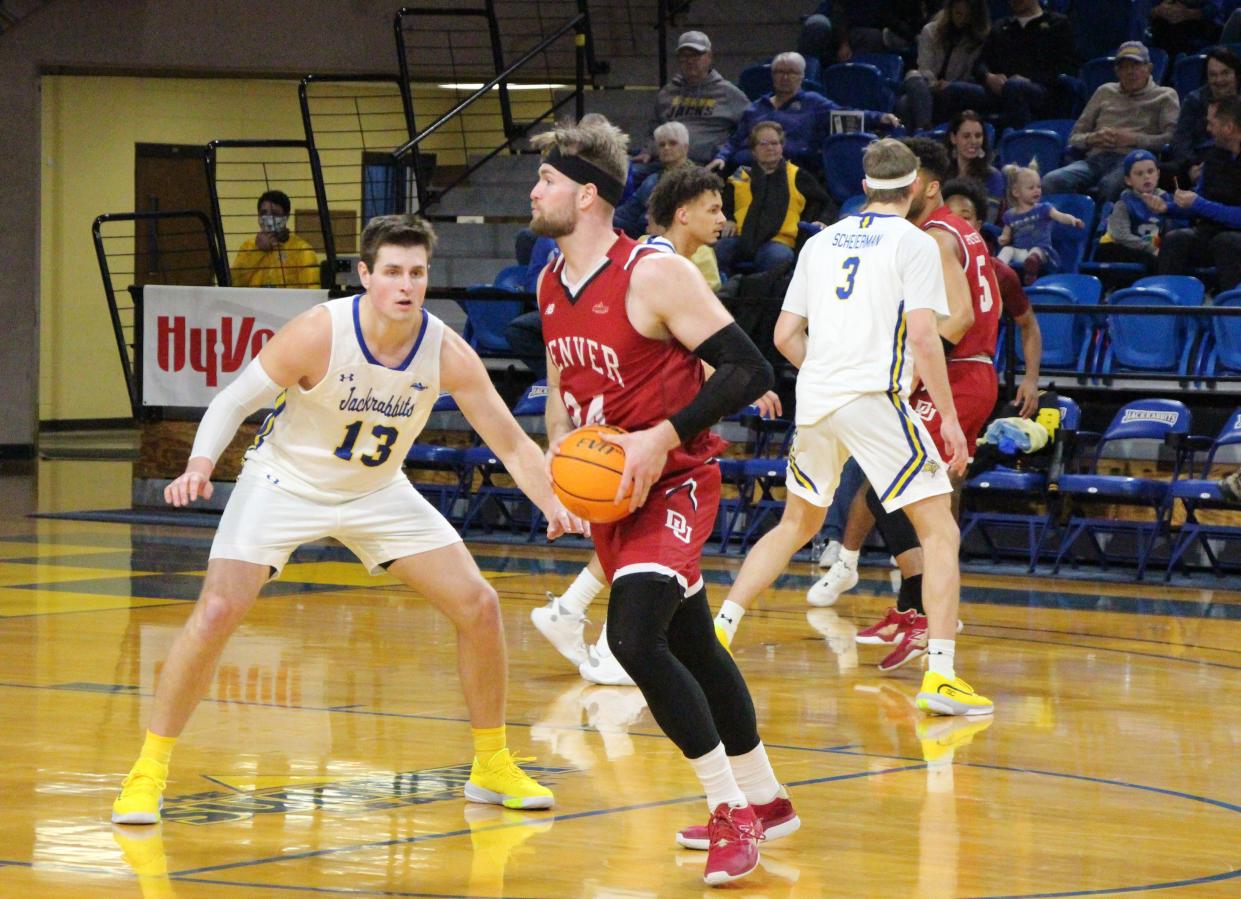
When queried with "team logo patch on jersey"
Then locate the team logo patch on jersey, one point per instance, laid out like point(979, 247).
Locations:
point(346, 376)
point(600, 308)
point(930, 466)
point(315, 795)
point(419, 386)
point(680, 527)
point(924, 409)
point(551, 307)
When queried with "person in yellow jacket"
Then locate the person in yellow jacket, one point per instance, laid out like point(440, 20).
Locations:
point(275, 257)
point(764, 203)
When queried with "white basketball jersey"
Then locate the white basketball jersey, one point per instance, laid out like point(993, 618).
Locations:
point(348, 435)
point(853, 283)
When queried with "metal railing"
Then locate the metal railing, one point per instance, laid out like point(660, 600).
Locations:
point(471, 144)
point(156, 248)
point(239, 171)
point(665, 16)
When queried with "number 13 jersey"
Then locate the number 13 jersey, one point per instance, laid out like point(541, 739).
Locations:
point(854, 283)
point(349, 434)
point(610, 373)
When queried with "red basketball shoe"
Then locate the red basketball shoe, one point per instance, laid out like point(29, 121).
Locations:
point(913, 644)
point(733, 834)
point(777, 817)
point(889, 629)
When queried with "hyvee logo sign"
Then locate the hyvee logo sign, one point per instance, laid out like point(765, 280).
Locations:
point(210, 350)
point(196, 339)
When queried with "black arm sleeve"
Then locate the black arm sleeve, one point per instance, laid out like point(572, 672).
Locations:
point(741, 376)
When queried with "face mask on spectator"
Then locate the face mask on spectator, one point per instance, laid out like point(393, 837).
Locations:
point(273, 223)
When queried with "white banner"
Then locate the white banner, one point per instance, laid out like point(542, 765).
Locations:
point(195, 340)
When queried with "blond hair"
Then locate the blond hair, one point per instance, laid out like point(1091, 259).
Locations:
point(886, 159)
point(597, 141)
point(1012, 174)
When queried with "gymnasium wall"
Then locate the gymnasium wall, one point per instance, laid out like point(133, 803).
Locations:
point(280, 39)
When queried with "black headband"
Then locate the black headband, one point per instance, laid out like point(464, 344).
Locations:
point(584, 172)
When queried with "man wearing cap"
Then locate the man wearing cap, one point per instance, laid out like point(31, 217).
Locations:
point(1132, 112)
point(698, 96)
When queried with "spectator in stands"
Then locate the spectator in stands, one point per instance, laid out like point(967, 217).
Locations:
point(1191, 139)
point(1230, 487)
point(1184, 26)
point(699, 97)
point(948, 48)
point(1026, 238)
point(1139, 217)
point(966, 199)
point(804, 115)
point(1132, 112)
point(970, 155)
point(1021, 60)
point(275, 256)
point(764, 203)
point(672, 145)
point(1215, 237)
point(839, 29)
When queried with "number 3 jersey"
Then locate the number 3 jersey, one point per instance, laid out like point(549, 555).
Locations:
point(854, 283)
point(610, 373)
point(348, 435)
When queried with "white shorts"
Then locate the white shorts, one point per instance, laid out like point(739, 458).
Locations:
point(889, 442)
point(264, 523)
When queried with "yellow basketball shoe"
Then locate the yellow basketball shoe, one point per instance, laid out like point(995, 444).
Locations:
point(722, 636)
point(141, 795)
point(951, 696)
point(499, 781)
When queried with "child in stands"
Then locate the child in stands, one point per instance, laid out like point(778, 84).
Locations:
point(1140, 215)
point(1026, 238)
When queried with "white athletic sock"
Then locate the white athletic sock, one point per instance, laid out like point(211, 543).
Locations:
point(581, 592)
point(849, 556)
point(940, 655)
point(729, 617)
point(754, 775)
point(716, 775)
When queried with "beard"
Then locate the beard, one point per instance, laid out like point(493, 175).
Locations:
point(554, 226)
point(916, 207)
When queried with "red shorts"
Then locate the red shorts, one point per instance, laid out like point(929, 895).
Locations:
point(667, 534)
point(974, 391)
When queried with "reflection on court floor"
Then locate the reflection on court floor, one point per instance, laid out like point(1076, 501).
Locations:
point(329, 755)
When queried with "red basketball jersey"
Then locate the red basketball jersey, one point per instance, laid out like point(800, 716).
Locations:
point(972, 253)
point(609, 373)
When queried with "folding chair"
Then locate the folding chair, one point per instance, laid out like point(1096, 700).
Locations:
point(1158, 421)
point(1202, 492)
point(1015, 484)
point(1021, 146)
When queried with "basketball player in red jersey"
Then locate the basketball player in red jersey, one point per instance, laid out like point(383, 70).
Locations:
point(971, 375)
point(627, 328)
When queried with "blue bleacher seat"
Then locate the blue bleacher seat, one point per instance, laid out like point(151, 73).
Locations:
point(1189, 73)
point(1150, 343)
point(1067, 338)
point(1022, 146)
point(1015, 483)
point(1201, 491)
point(852, 204)
point(755, 81)
point(1220, 353)
point(511, 277)
point(842, 163)
point(890, 65)
point(1063, 127)
point(486, 319)
point(1158, 421)
point(1070, 242)
point(857, 86)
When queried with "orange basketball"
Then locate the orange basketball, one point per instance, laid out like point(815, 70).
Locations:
point(586, 471)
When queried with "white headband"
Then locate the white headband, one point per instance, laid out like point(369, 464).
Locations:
point(891, 183)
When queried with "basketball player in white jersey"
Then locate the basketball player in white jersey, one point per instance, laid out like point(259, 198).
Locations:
point(352, 382)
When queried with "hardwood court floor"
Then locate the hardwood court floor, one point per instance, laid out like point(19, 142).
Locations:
point(329, 756)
